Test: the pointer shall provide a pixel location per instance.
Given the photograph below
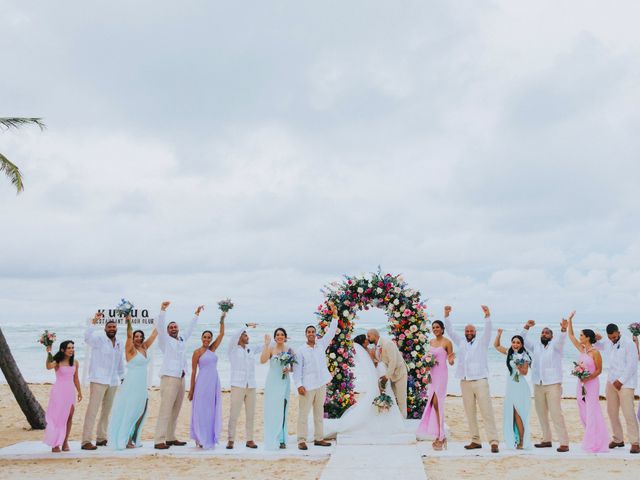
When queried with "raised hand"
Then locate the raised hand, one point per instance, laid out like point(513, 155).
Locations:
point(48, 348)
point(564, 324)
point(97, 317)
point(199, 309)
point(251, 325)
point(487, 312)
point(529, 324)
point(447, 310)
point(267, 339)
point(165, 305)
point(499, 331)
point(571, 315)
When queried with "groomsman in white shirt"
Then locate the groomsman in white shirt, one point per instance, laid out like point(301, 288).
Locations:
point(546, 376)
point(310, 376)
point(243, 384)
point(105, 374)
point(172, 374)
point(473, 373)
point(621, 382)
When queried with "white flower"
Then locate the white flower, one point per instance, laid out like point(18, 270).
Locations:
point(414, 353)
point(417, 347)
point(412, 365)
point(345, 313)
point(397, 289)
point(360, 290)
point(332, 356)
point(397, 314)
point(413, 328)
point(378, 290)
point(396, 302)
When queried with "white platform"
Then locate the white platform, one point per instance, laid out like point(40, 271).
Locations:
point(396, 439)
point(372, 462)
point(456, 450)
point(38, 450)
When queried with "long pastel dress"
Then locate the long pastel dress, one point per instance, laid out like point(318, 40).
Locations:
point(61, 399)
point(596, 435)
point(276, 406)
point(206, 407)
point(438, 387)
point(518, 397)
point(130, 405)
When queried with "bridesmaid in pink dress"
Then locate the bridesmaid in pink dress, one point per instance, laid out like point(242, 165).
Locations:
point(432, 422)
point(596, 435)
point(62, 398)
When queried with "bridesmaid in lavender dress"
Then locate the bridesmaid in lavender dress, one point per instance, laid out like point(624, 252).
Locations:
point(62, 400)
point(432, 423)
point(596, 435)
point(205, 392)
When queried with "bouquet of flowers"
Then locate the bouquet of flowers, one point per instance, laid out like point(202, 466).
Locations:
point(47, 338)
point(634, 328)
point(383, 402)
point(225, 305)
point(580, 371)
point(287, 360)
point(520, 359)
point(124, 308)
point(429, 361)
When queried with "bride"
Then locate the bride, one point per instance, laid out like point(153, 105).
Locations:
point(363, 418)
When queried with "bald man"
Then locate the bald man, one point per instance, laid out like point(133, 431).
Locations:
point(387, 352)
point(473, 372)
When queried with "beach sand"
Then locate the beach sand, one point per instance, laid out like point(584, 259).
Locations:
point(14, 428)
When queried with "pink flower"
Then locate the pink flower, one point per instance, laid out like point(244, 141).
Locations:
point(402, 337)
point(407, 313)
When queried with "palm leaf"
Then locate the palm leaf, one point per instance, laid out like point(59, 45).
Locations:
point(12, 171)
point(17, 122)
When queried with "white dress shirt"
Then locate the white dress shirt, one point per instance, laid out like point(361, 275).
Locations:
point(471, 357)
point(107, 361)
point(243, 361)
point(622, 357)
point(546, 360)
point(311, 371)
point(174, 363)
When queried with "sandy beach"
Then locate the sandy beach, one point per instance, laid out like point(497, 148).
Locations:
point(15, 429)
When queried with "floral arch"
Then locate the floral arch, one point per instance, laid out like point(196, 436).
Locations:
point(407, 327)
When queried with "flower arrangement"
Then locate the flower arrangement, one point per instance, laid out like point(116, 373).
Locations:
point(580, 371)
point(225, 305)
point(124, 308)
point(47, 338)
point(634, 328)
point(407, 326)
point(429, 362)
point(520, 359)
point(287, 360)
point(383, 402)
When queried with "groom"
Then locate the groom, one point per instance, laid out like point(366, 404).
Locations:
point(387, 352)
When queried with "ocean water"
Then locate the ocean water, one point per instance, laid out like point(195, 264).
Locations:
point(31, 356)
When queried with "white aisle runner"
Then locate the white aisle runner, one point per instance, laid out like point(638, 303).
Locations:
point(372, 462)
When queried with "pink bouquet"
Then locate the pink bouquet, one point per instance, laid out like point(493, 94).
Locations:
point(580, 371)
point(634, 328)
point(47, 338)
point(429, 361)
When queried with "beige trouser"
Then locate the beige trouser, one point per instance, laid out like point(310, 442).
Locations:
point(239, 396)
point(477, 391)
point(548, 400)
point(99, 394)
point(171, 397)
point(399, 388)
point(311, 398)
point(622, 398)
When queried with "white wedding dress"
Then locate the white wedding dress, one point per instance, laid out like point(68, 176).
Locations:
point(363, 423)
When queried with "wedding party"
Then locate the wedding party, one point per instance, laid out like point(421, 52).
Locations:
point(319, 240)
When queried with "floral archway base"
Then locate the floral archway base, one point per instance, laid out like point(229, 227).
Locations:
point(408, 327)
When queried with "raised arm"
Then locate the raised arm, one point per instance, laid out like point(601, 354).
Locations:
point(455, 337)
point(92, 334)
point(570, 333)
point(528, 343)
point(129, 348)
point(161, 327)
point(50, 364)
point(496, 343)
point(216, 343)
point(486, 334)
point(266, 351)
point(152, 338)
point(192, 324)
point(558, 344)
point(233, 341)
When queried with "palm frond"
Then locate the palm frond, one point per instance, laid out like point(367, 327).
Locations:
point(13, 172)
point(17, 122)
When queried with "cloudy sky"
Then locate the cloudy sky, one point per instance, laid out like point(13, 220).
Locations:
point(196, 150)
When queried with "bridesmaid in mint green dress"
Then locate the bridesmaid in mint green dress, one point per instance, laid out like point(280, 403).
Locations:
point(130, 405)
point(276, 391)
point(517, 398)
